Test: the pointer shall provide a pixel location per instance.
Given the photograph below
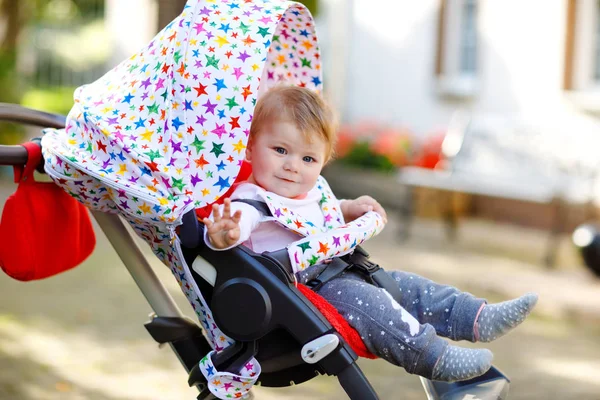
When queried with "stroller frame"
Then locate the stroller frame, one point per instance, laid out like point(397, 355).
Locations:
point(169, 325)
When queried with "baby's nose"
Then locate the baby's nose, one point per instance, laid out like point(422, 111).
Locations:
point(291, 165)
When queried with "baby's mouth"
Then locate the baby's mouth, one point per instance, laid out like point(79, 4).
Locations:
point(287, 180)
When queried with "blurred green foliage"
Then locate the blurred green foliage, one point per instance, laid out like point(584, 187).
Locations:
point(19, 16)
point(62, 10)
point(361, 155)
point(57, 100)
point(312, 5)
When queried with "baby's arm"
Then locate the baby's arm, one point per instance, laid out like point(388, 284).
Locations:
point(227, 229)
point(353, 209)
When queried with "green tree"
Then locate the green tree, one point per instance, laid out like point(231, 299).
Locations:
point(12, 13)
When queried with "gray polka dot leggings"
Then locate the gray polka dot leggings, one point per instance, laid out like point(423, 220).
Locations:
point(404, 333)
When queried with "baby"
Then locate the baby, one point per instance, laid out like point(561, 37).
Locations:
point(291, 138)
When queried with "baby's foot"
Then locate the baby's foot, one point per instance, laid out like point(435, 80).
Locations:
point(496, 320)
point(459, 364)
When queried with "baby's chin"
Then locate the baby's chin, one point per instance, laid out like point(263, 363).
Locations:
point(285, 193)
point(283, 189)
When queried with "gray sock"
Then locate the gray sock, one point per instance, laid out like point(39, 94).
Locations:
point(459, 364)
point(496, 320)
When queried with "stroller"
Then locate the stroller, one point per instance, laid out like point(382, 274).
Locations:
point(160, 138)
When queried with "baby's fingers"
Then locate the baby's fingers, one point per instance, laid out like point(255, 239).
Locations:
point(237, 216)
point(380, 210)
point(227, 209)
point(215, 212)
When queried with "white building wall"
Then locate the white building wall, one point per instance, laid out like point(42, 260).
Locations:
point(390, 65)
point(522, 47)
point(131, 25)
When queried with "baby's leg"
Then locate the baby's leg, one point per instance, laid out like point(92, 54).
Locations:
point(390, 332)
point(451, 312)
point(459, 315)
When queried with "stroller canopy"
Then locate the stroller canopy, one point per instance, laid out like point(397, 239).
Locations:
point(166, 130)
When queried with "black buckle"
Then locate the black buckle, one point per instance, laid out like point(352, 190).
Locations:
point(336, 267)
point(314, 284)
point(367, 266)
point(360, 259)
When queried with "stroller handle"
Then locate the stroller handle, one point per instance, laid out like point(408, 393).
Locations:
point(29, 116)
point(17, 155)
point(13, 155)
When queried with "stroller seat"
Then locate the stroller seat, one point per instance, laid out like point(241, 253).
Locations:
point(277, 341)
point(280, 321)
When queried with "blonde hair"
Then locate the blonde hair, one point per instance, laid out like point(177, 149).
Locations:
point(300, 106)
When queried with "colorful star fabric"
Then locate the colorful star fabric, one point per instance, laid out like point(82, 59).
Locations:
point(225, 385)
point(334, 239)
point(167, 129)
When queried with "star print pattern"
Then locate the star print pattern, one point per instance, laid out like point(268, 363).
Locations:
point(334, 239)
point(497, 320)
point(169, 125)
point(459, 364)
point(228, 386)
point(335, 242)
point(165, 131)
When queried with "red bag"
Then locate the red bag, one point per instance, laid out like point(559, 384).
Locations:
point(43, 230)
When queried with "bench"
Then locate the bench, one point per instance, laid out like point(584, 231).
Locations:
point(509, 159)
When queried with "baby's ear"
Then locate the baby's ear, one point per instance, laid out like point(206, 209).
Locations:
point(249, 150)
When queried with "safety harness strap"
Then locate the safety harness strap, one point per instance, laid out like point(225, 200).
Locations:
point(261, 206)
point(358, 260)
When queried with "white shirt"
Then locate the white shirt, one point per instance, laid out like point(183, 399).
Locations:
point(260, 232)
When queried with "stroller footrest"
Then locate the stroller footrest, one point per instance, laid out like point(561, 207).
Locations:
point(172, 329)
point(195, 378)
point(493, 385)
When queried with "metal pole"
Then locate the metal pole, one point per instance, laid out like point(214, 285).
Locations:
point(138, 266)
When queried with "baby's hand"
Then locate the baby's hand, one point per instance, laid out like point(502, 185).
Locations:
point(353, 209)
point(225, 230)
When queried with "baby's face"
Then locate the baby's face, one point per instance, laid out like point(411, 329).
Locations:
point(283, 161)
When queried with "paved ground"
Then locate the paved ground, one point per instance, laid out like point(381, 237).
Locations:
point(80, 335)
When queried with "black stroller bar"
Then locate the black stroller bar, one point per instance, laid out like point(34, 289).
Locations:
point(13, 155)
point(17, 155)
point(23, 115)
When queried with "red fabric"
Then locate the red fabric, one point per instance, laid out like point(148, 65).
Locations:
point(244, 174)
point(349, 334)
point(43, 230)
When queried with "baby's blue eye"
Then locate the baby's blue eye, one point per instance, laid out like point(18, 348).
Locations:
point(308, 159)
point(280, 150)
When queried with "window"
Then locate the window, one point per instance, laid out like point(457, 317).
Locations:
point(468, 39)
point(582, 54)
point(597, 45)
point(457, 50)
